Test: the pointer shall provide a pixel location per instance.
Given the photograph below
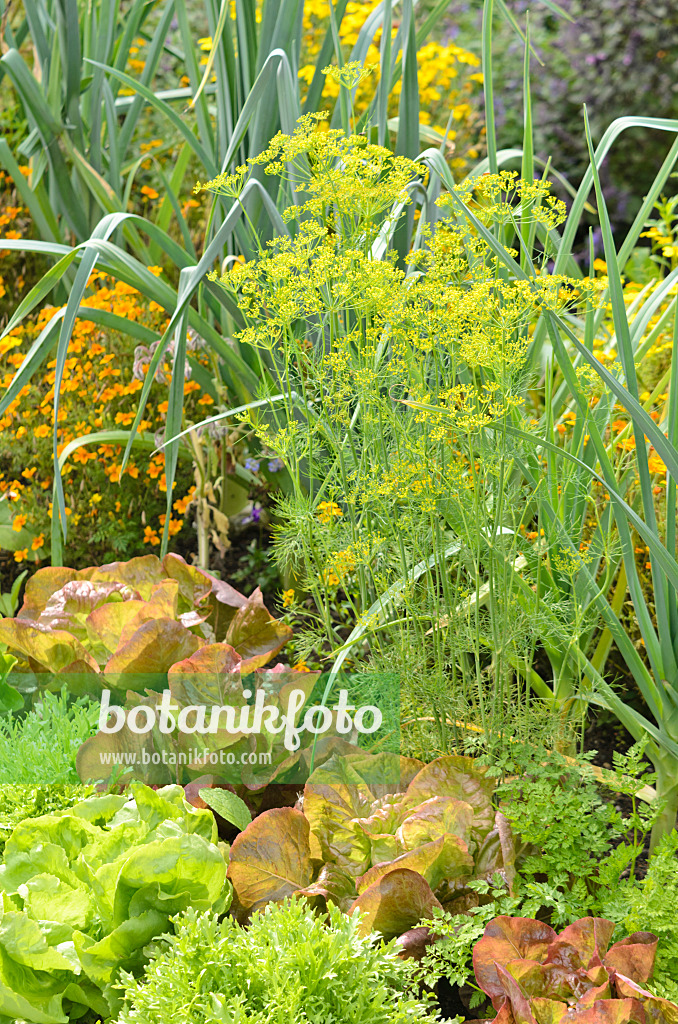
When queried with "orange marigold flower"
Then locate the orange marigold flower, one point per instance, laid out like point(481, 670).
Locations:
point(38, 542)
point(181, 504)
point(19, 523)
point(21, 556)
point(149, 192)
point(151, 536)
point(656, 464)
point(175, 525)
point(83, 456)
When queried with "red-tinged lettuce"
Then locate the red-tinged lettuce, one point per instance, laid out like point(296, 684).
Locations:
point(535, 976)
point(122, 626)
point(215, 677)
point(84, 891)
point(383, 835)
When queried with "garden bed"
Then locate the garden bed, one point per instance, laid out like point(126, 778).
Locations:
point(338, 462)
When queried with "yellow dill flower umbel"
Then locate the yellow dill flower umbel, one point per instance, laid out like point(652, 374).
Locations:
point(327, 511)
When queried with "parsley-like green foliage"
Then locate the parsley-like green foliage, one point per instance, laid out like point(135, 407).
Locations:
point(574, 844)
point(451, 955)
point(287, 967)
point(651, 907)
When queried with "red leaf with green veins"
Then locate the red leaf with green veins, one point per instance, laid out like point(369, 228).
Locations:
point(395, 903)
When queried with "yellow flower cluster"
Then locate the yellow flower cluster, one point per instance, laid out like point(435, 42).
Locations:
point(495, 197)
point(327, 511)
point(449, 78)
point(411, 374)
point(341, 566)
point(357, 179)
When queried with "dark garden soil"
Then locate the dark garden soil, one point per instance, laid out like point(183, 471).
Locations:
point(605, 734)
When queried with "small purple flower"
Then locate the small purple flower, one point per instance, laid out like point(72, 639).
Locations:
point(275, 465)
point(216, 430)
point(252, 465)
point(194, 342)
point(253, 517)
point(143, 357)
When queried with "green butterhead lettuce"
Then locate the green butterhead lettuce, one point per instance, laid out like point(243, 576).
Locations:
point(84, 891)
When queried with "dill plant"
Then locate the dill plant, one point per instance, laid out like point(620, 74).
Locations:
point(398, 366)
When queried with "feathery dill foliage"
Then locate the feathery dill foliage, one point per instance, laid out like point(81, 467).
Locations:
point(399, 378)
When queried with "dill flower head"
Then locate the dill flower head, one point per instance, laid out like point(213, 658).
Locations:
point(327, 511)
point(350, 74)
point(225, 184)
point(499, 198)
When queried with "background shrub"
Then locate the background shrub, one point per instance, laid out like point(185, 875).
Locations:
point(620, 58)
